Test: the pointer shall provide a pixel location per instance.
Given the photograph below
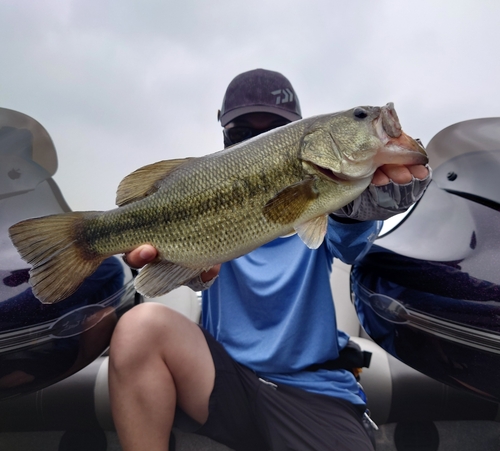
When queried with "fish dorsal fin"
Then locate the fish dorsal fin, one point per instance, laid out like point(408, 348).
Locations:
point(289, 204)
point(313, 232)
point(144, 181)
point(161, 276)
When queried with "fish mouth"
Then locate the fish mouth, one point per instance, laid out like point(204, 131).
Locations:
point(328, 173)
point(405, 148)
point(389, 121)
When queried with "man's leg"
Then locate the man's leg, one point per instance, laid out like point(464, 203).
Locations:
point(158, 358)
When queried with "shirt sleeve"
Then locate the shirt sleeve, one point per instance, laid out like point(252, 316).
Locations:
point(350, 241)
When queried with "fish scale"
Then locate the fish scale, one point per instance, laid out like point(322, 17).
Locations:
point(199, 212)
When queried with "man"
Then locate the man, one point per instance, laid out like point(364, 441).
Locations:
point(252, 377)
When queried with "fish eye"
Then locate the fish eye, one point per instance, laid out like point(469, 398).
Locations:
point(360, 113)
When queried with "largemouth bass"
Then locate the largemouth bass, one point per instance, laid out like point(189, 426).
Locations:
point(199, 212)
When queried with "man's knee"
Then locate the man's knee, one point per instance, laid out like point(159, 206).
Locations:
point(142, 328)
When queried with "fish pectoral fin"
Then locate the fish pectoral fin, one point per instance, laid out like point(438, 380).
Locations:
point(161, 276)
point(313, 232)
point(289, 204)
point(144, 181)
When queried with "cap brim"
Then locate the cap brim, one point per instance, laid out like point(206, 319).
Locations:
point(233, 114)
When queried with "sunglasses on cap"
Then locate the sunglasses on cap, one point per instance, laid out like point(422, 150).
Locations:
point(239, 133)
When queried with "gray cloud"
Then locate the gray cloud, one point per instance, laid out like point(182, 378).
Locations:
point(119, 84)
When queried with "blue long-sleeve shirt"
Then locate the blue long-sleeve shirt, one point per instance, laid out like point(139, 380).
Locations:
point(273, 311)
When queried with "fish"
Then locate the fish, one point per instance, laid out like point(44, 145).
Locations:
point(199, 212)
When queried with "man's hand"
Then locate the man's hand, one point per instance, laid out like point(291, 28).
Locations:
point(394, 189)
point(398, 174)
point(146, 253)
point(140, 256)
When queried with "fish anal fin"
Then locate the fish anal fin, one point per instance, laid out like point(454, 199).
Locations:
point(161, 276)
point(144, 181)
point(289, 204)
point(313, 232)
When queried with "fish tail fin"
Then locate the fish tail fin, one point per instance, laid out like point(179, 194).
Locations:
point(60, 259)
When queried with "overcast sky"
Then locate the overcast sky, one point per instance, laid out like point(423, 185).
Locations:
point(124, 83)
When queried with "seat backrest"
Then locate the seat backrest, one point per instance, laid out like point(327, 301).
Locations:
point(347, 319)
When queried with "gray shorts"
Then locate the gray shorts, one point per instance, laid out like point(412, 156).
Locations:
point(248, 414)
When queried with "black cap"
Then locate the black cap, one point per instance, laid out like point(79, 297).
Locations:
point(259, 91)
